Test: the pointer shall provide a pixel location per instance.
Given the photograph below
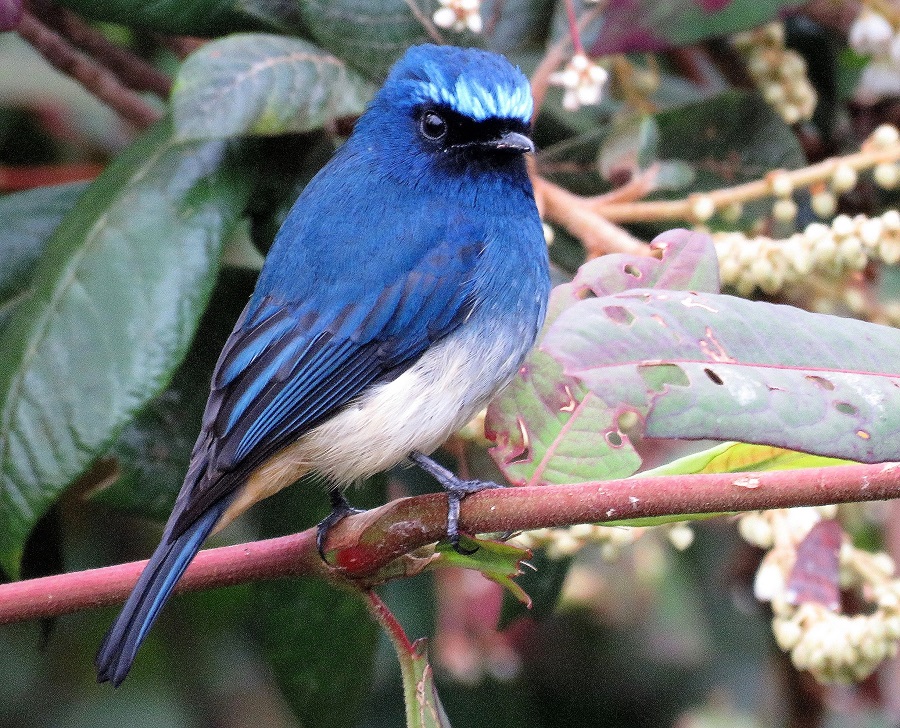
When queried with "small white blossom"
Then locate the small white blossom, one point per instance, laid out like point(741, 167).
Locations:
point(871, 33)
point(459, 15)
point(583, 81)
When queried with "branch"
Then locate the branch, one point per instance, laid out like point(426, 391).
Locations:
point(598, 235)
point(367, 547)
point(96, 78)
point(133, 71)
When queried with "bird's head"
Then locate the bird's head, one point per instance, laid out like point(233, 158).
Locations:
point(456, 110)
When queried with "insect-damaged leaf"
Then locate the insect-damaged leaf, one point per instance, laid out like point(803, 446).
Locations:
point(694, 365)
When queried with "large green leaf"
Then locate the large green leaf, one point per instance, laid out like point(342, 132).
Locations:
point(369, 34)
point(688, 364)
point(654, 25)
point(263, 84)
point(117, 297)
point(153, 450)
point(320, 642)
point(26, 221)
point(702, 365)
point(195, 17)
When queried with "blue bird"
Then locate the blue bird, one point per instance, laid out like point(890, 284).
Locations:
point(403, 291)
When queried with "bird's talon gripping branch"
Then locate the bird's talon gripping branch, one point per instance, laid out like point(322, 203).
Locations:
point(340, 509)
point(457, 489)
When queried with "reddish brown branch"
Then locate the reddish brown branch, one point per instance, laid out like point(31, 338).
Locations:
point(365, 544)
point(133, 71)
point(96, 78)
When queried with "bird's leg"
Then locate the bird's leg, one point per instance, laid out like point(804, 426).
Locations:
point(340, 509)
point(457, 489)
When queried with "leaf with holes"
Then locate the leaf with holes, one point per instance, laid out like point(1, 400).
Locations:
point(547, 427)
point(692, 365)
point(708, 366)
point(263, 84)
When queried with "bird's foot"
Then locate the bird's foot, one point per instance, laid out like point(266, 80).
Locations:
point(340, 509)
point(457, 489)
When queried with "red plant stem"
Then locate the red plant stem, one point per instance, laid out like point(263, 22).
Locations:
point(15, 179)
point(574, 30)
point(367, 542)
point(385, 617)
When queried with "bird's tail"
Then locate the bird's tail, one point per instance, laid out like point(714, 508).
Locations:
point(163, 571)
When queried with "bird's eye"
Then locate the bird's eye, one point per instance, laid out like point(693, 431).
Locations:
point(432, 126)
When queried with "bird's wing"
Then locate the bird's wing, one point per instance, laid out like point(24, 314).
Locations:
point(287, 367)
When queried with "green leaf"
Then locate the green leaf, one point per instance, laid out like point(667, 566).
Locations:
point(153, 451)
point(696, 366)
point(320, 642)
point(730, 139)
point(197, 17)
point(629, 148)
point(738, 457)
point(117, 297)
point(369, 34)
point(263, 84)
point(654, 25)
point(28, 218)
point(500, 562)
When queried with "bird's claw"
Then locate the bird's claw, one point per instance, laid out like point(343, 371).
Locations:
point(340, 509)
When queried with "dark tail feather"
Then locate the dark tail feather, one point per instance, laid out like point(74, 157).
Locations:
point(165, 568)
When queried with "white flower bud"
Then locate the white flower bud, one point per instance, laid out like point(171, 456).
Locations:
point(885, 135)
point(843, 178)
point(824, 203)
point(870, 33)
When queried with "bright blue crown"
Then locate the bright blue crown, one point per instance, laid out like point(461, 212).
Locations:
point(472, 82)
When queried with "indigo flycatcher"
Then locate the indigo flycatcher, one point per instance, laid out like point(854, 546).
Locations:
point(404, 290)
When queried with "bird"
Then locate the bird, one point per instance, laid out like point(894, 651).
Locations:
point(404, 290)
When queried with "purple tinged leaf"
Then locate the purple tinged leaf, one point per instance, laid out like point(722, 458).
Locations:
point(616, 358)
point(711, 366)
point(10, 14)
point(654, 25)
point(546, 426)
point(815, 574)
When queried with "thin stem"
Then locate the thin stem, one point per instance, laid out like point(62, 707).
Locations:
point(574, 29)
point(373, 541)
point(426, 23)
point(133, 71)
point(663, 210)
point(96, 78)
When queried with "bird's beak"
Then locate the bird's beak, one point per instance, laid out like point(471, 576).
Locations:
point(512, 141)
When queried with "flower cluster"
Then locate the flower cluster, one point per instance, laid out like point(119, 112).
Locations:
point(826, 251)
point(834, 647)
point(779, 73)
point(459, 15)
point(561, 542)
point(875, 35)
point(583, 81)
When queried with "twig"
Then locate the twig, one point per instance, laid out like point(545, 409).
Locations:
point(426, 23)
point(133, 71)
point(598, 235)
point(664, 210)
point(366, 543)
point(97, 79)
point(14, 179)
